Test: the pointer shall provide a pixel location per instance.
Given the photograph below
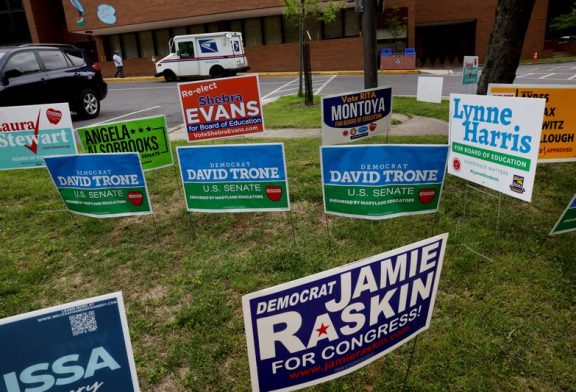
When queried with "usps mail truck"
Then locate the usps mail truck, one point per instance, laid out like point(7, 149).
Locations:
point(201, 55)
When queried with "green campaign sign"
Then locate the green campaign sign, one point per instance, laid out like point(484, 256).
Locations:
point(234, 178)
point(567, 221)
point(382, 181)
point(101, 185)
point(146, 136)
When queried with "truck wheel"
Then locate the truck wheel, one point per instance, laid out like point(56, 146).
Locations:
point(169, 76)
point(216, 72)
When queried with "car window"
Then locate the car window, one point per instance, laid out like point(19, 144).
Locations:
point(53, 59)
point(24, 62)
point(75, 57)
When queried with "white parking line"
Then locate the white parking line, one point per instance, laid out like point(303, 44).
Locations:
point(125, 115)
point(325, 84)
point(572, 77)
point(528, 74)
point(545, 76)
point(279, 88)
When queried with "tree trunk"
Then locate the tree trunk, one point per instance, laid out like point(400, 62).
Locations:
point(506, 41)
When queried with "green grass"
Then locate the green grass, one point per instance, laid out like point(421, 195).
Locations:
point(551, 60)
point(290, 111)
point(501, 323)
point(409, 106)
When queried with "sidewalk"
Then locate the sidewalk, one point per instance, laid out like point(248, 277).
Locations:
point(314, 73)
point(413, 126)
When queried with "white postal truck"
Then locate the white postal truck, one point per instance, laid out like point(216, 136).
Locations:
point(200, 55)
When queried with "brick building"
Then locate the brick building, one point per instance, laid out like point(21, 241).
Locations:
point(441, 31)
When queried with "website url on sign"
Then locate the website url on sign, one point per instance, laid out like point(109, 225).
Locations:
point(223, 132)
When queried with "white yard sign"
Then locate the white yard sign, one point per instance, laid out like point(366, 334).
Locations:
point(494, 141)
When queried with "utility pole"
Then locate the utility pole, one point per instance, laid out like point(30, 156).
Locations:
point(369, 38)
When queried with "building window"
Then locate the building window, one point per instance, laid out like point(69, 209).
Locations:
point(197, 29)
point(129, 46)
point(146, 43)
point(314, 27)
point(161, 38)
point(334, 29)
point(290, 30)
point(181, 30)
point(13, 23)
point(273, 30)
point(236, 25)
point(351, 23)
point(113, 45)
point(253, 30)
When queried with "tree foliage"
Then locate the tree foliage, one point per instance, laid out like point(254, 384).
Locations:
point(564, 24)
point(299, 12)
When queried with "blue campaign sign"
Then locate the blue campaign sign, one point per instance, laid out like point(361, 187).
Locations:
point(383, 164)
point(349, 117)
point(232, 162)
point(329, 324)
point(101, 185)
point(382, 181)
point(234, 178)
point(79, 346)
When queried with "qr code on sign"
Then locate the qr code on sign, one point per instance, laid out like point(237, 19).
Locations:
point(83, 323)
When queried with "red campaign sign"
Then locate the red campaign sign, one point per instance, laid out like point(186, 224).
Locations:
point(220, 108)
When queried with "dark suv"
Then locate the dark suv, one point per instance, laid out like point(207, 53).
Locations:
point(35, 74)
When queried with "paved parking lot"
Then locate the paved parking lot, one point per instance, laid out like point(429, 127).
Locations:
point(143, 99)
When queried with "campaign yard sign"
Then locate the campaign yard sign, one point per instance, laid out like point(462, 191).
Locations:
point(567, 221)
point(558, 139)
point(349, 117)
point(470, 70)
point(494, 141)
point(29, 133)
point(326, 325)
point(147, 136)
point(79, 346)
point(234, 177)
point(101, 185)
point(220, 108)
point(382, 181)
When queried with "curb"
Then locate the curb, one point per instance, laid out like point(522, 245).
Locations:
point(294, 73)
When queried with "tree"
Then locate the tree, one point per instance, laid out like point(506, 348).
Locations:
point(395, 23)
point(564, 24)
point(299, 12)
point(506, 41)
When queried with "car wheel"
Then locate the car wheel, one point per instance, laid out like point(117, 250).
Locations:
point(88, 105)
point(216, 72)
point(169, 76)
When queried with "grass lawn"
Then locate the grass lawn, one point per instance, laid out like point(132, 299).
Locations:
point(290, 111)
point(503, 321)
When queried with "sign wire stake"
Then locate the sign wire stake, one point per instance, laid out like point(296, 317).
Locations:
point(409, 364)
point(177, 182)
point(293, 227)
point(156, 229)
point(327, 224)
